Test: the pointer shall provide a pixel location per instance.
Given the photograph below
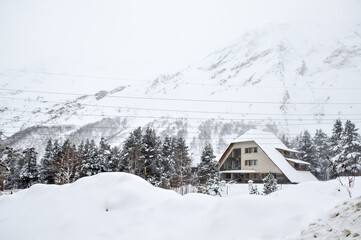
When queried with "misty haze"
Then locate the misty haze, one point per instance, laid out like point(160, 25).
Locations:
point(180, 119)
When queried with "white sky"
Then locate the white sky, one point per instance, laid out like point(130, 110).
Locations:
point(143, 38)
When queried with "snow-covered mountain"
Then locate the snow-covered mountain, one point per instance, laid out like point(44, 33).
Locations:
point(278, 78)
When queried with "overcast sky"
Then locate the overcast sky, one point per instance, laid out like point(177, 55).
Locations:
point(141, 39)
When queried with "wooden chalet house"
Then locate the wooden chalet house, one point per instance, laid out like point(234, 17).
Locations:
point(256, 153)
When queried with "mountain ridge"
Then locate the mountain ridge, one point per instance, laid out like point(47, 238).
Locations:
point(272, 65)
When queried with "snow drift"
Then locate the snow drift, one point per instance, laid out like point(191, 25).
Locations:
point(123, 206)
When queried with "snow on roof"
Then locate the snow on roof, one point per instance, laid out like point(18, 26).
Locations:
point(289, 149)
point(297, 161)
point(238, 171)
point(269, 143)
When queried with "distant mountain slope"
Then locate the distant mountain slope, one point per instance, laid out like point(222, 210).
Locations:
point(275, 78)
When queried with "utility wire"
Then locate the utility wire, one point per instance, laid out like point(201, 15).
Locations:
point(171, 117)
point(75, 75)
point(248, 124)
point(188, 99)
point(150, 81)
point(175, 110)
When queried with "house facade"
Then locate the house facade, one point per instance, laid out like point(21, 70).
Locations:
point(256, 153)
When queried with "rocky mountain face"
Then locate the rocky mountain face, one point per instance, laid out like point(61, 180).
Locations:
point(276, 78)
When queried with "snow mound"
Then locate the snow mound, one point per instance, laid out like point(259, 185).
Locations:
point(124, 206)
point(343, 222)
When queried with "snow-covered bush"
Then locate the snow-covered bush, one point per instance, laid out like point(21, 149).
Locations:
point(254, 190)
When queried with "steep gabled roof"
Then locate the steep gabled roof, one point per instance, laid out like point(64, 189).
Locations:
point(269, 143)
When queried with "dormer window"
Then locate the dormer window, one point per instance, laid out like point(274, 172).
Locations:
point(288, 153)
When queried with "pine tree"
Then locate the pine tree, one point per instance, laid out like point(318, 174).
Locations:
point(10, 158)
point(115, 158)
point(94, 165)
point(308, 152)
point(320, 141)
point(84, 156)
point(336, 138)
point(269, 184)
point(104, 157)
point(150, 157)
point(47, 169)
point(207, 172)
point(335, 148)
point(57, 156)
point(89, 162)
point(131, 153)
point(295, 142)
point(29, 171)
point(167, 162)
point(182, 163)
point(285, 140)
point(351, 153)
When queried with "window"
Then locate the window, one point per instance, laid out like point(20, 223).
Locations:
point(254, 176)
point(233, 162)
point(236, 153)
point(251, 150)
point(251, 162)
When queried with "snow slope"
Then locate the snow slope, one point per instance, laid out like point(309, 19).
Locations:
point(123, 206)
point(342, 222)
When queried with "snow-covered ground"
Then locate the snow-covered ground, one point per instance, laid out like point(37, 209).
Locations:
point(123, 206)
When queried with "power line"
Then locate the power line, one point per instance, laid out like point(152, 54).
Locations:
point(85, 127)
point(43, 137)
point(245, 124)
point(112, 136)
point(188, 99)
point(150, 81)
point(76, 75)
point(170, 117)
point(175, 110)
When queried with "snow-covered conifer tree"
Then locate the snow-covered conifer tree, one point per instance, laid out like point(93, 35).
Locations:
point(103, 156)
point(182, 163)
point(47, 169)
point(11, 158)
point(269, 184)
point(29, 171)
point(207, 172)
point(320, 141)
point(150, 156)
point(167, 163)
point(93, 161)
point(308, 151)
point(350, 157)
point(336, 138)
point(115, 158)
point(131, 153)
point(84, 156)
